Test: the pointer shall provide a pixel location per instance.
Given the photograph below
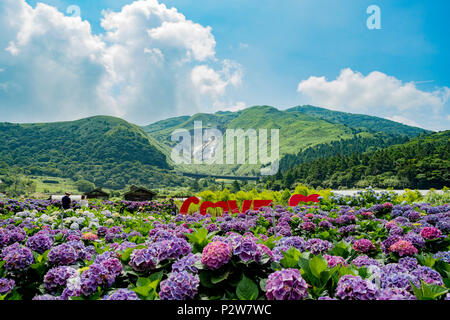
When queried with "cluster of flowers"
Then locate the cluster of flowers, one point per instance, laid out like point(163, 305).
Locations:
point(105, 253)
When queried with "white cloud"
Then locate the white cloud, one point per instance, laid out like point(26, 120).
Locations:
point(378, 94)
point(404, 120)
point(142, 66)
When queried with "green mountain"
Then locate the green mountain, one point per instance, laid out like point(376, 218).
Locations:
point(361, 121)
point(423, 162)
point(107, 151)
point(300, 128)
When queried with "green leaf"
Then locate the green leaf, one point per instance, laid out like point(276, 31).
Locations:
point(216, 279)
point(318, 264)
point(247, 289)
point(146, 289)
point(291, 257)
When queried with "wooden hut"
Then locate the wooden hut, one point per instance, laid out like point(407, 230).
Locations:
point(139, 194)
point(97, 194)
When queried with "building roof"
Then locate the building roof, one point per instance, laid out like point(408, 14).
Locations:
point(96, 191)
point(134, 189)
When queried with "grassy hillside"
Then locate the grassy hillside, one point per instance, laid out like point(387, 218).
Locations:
point(107, 151)
point(359, 121)
point(423, 162)
point(300, 128)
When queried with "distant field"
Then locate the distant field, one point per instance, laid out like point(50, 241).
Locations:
point(62, 186)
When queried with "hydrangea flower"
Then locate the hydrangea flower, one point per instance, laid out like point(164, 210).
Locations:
point(396, 294)
point(143, 260)
point(428, 275)
point(355, 288)
point(247, 250)
point(40, 243)
point(17, 257)
point(318, 246)
point(443, 255)
point(45, 297)
point(409, 263)
point(363, 260)
point(403, 248)
point(113, 265)
point(431, 233)
point(122, 294)
point(286, 284)
point(363, 245)
point(62, 255)
point(56, 278)
point(89, 236)
point(187, 263)
point(179, 286)
point(334, 261)
point(216, 254)
point(172, 249)
point(97, 275)
point(6, 285)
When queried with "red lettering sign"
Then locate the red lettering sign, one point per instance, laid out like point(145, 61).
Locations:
point(231, 205)
point(297, 198)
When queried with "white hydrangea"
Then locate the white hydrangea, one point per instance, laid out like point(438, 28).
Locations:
point(74, 226)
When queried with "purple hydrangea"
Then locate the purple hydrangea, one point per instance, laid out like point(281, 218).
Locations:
point(396, 294)
point(4, 238)
point(96, 276)
point(17, 257)
point(143, 260)
point(362, 261)
point(355, 288)
point(308, 226)
point(172, 249)
point(428, 275)
point(56, 278)
point(179, 286)
point(40, 242)
point(318, 246)
point(122, 294)
point(62, 255)
point(334, 261)
point(216, 254)
point(325, 224)
point(247, 250)
point(17, 235)
point(46, 297)
point(113, 265)
point(6, 285)
point(443, 255)
point(394, 275)
point(187, 263)
point(286, 284)
point(409, 263)
point(363, 245)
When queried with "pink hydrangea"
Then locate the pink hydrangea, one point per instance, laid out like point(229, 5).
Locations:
point(363, 245)
point(216, 254)
point(403, 248)
point(430, 233)
point(89, 236)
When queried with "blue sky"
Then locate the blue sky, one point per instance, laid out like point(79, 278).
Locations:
point(278, 52)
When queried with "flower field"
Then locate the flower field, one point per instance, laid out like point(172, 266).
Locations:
point(364, 250)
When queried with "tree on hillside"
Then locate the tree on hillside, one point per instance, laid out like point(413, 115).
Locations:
point(84, 185)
